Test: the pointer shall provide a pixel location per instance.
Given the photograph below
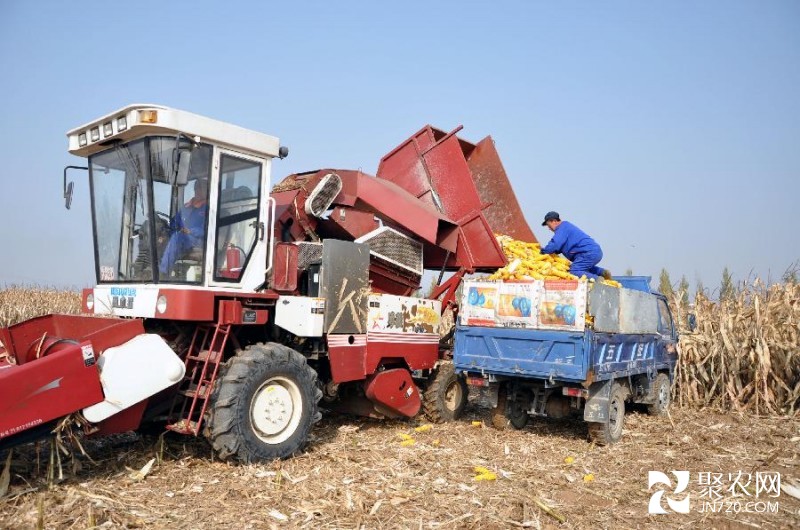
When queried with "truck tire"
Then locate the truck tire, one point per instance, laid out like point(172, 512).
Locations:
point(264, 404)
point(508, 412)
point(446, 395)
point(662, 391)
point(610, 432)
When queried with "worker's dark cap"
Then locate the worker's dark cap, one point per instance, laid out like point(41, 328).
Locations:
point(551, 216)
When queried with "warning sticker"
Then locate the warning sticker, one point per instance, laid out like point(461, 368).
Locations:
point(88, 354)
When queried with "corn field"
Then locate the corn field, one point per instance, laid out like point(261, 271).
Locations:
point(21, 303)
point(744, 354)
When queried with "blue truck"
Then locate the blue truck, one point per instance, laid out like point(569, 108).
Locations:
point(621, 349)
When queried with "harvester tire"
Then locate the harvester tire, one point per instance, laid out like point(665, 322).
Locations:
point(610, 432)
point(263, 405)
point(662, 392)
point(446, 395)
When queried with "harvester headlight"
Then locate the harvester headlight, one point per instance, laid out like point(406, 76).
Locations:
point(148, 116)
point(122, 123)
point(82, 140)
point(107, 130)
point(89, 301)
point(161, 304)
point(95, 134)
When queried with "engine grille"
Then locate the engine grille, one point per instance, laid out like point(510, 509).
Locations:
point(393, 247)
point(310, 253)
point(323, 194)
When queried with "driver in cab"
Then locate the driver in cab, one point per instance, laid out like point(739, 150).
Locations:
point(187, 228)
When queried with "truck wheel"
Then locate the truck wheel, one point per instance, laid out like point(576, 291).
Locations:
point(264, 405)
point(611, 431)
point(508, 412)
point(517, 414)
point(446, 395)
point(662, 391)
point(498, 412)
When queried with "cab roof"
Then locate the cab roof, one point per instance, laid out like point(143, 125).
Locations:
point(141, 119)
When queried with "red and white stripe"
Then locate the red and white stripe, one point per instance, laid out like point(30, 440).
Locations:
point(343, 341)
point(403, 338)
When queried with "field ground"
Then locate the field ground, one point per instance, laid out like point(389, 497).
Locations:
point(356, 474)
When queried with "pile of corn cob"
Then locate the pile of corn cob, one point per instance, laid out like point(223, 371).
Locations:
point(526, 262)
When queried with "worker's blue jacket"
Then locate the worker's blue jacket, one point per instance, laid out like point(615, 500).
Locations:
point(570, 240)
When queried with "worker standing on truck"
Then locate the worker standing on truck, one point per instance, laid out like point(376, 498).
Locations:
point(188, 227)
point(576, 245)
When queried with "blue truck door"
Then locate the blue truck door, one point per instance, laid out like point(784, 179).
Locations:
point(667, 351)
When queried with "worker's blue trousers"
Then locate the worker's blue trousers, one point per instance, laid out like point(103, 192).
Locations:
point(585, 263)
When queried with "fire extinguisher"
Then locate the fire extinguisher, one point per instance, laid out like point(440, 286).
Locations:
point(233, 258)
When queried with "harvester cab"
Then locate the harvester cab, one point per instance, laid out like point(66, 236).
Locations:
point(177, 200)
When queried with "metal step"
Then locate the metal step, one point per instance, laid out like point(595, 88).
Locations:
point(202, 365)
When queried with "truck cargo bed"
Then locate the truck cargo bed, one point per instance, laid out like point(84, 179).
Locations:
point(565, 356)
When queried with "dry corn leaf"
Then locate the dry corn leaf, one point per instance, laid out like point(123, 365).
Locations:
point(142, 473)
point(275, 514)
point(792, 490)
point(5, 476)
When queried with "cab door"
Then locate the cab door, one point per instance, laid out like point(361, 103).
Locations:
point(666, 349)
point(239, 246)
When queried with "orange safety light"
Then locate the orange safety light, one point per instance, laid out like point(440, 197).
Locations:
point(148, 116)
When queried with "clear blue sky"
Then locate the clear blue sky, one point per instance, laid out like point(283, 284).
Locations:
point(670, 131)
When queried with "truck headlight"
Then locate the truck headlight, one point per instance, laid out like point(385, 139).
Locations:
point(89, 301)
point(161, 304)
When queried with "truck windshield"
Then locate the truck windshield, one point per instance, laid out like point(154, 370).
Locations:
point(145, 229)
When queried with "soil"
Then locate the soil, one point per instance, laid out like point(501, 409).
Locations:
point(358, 473)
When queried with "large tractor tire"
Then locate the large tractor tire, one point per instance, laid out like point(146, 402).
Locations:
point(263, 405)
point(663, 393)
point(610, 432)
point(446, 395)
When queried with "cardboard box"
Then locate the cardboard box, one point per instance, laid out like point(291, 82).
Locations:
point(562, 305)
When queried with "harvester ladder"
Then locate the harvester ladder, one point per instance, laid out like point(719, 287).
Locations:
point(202, 365)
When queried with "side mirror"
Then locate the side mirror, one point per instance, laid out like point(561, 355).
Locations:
point(283, 152)
point(182, 171)
point(69, 186)
point(182, 158)
point(68, 195)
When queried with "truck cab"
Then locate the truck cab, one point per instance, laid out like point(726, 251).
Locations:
point(179, 201)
